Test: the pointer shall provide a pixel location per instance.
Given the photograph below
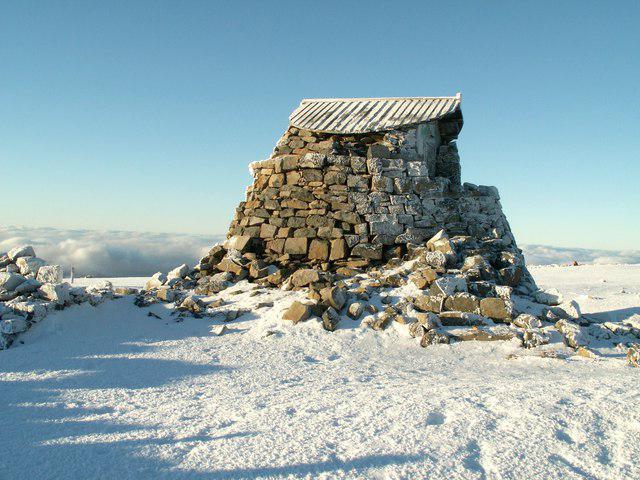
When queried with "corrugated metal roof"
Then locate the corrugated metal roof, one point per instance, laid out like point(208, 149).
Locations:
point(361, 115)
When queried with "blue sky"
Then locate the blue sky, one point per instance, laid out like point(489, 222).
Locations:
point(144, 115)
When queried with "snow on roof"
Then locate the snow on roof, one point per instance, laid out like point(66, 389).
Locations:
point(362, 115)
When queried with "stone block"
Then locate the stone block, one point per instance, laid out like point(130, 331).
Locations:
point(463, 302)
point(338, 249)
point(417, 169)
point(296, 246)
point(297, 312)
point(378, 151)
point(496, 308)
point(21, 251)
point(304, 277)
point(319, 250)
point(381, 183)
point(268, 231)
point(367, 250)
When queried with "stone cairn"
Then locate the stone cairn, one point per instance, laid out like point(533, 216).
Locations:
point(381, 218)
point(30, 289)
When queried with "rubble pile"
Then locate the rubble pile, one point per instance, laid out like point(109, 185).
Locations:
point(29, 289)
point(449, 289)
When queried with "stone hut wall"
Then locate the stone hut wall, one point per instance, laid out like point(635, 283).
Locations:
point(330, 197)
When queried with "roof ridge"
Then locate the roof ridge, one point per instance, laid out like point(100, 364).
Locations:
point(456, 96)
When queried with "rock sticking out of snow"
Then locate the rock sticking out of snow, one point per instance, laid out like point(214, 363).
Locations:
point(29, 289)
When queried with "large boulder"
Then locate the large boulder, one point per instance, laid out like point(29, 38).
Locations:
point(330, 319)
point(334, 297)
point(304, 277)
point(573, 334)
point(29, 265)
point(178, 272)
point(463, 302)
point(297, 312)
point(448, 286)
point(56, 292)
point(21, 251)
point(156, 281)
point(50, 274)
point(496, 308)
point(9, 281)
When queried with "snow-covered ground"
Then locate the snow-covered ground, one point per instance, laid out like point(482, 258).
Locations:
point(110, 392)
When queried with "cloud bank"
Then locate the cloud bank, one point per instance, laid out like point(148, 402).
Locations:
point(547, 255)
point(109, 253)
point(131, 254)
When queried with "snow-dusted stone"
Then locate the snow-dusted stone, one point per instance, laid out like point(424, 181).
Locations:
point(428, 320)
point(166, 294)
point(58, 293)
point(448, 286)
point(549, 297)
point(13, 325)
point(533, 338)
point(437, 260)
point(462, 319)
point(4, 260)
point(50, 274)
point(178, 272)
point(334, 296)
point(573, 334)
point(437, 237)
point(156, 281)
point(474, 262)
point(192, 304)
point(29, 265)
point(572, 310)
point(355, 310)
point(218, 330)
point(36, 308)
point(463, 302)
point(330, 319)
point(633, 355)
point(9, 281)
point(297, 312)
point(304, 277)
point(28, 286)
point(496, 308)
point(526, 320)
point(433, 337)
point(21, 251)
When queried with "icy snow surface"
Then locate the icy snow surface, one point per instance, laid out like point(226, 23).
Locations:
point(110, 392)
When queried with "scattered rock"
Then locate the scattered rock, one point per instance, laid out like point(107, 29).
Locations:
point(496, 309)
point(21, 251)
point(297, 312)
point(355, 310)
point(330, 319)
point(156, 281)
point(304, 277)
point(433, 337)
point(633, 355)
point(334, 296)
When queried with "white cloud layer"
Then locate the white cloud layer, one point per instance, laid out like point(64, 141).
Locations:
point(547, 255)
point(117, 253)
point(109, 253)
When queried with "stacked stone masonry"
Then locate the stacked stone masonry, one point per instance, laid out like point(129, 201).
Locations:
point(330, 197)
